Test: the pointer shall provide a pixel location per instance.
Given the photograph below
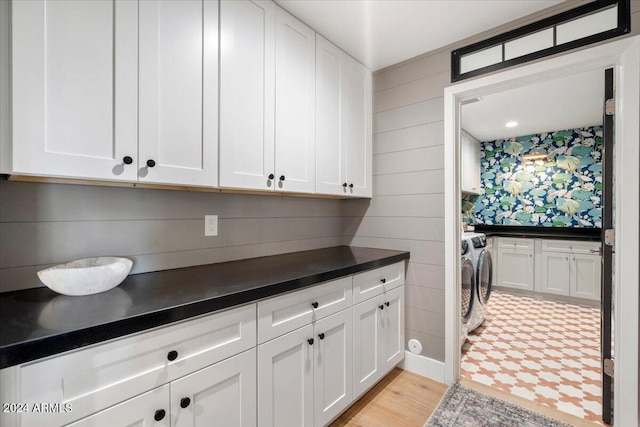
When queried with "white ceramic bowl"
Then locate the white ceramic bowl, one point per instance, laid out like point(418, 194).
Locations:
point(86, 276)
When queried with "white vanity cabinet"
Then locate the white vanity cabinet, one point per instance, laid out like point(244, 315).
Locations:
point(343, 123)
point(115, 90)
point(516, 263)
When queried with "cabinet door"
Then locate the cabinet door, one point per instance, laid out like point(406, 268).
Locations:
point(247, 94)
point(138, 411)
point(330, 148)
point(332, 373)
point(223, 394)
point(586, 280)
point(179, 92)
point(295, 105)
point(367, 344)
point(516, 268)
point(470, 163)
point(357, 116)
point(75, 95)
point(285, 380)
point(393, 328)
point(555, 271)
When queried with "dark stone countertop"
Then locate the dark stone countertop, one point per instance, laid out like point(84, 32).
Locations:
point(560, 233)
point(36, 323)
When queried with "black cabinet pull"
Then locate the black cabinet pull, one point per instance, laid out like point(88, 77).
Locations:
point(381, 307)
point(314, 304)
point(172, 355)
point(271, 176)
point(383, 280)
point(184, 402)
point(281, 177)
point(151, 163)
point(321, 336)
point(351, 185)
point(127, 160)
point(159, 415)
point(387, 303)
point(344, 185)
point(310, 341)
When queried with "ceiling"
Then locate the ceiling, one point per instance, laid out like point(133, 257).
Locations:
point(380, 33)
point(564, 103)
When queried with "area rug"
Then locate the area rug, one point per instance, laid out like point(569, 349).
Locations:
point(463, 407)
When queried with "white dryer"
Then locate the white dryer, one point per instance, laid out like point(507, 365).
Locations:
point(483, 272)
point(467, 291)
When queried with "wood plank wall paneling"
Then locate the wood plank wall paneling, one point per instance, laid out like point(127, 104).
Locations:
point(407, 210)
point(45, 224)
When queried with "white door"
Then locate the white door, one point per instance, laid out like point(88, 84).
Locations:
point(393, 328)
point(555, 272)
point(285, 380)
point(516, 263)
point(587, 278)
point(332, 373)
point(75, 95)
point(367, 344)
point(357, 116)
point(295, 105)
point(148, 409)
point(247, 94)
point(178, 92)
point(330, 148)
point(223, 394)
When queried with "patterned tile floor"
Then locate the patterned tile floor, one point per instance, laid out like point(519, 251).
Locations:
point(540, 350)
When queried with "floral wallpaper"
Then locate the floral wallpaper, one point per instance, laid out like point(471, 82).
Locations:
point(562, 190)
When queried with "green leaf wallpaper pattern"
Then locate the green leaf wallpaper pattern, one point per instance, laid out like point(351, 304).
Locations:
point(563, 190)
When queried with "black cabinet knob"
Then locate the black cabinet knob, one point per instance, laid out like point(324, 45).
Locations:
point(159, 415)
point(351, 185)
point(310, 341)
point(383, 280)
point(184, 402)
point(314, 304)
point(344, 184)
point(127, 160)
point(321, 336)
point(151, 163)
point(172, 355)
point(281, 177)
point(381, 307)
point(271, 176)
point(387, 303)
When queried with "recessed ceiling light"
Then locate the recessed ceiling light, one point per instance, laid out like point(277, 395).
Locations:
point(511, 124)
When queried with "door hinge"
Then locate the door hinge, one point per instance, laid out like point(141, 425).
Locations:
point(610, 107)
point(609, 237)
point(608, 367)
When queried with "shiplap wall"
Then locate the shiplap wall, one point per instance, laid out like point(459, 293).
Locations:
point(407, 209)
point(44, 224)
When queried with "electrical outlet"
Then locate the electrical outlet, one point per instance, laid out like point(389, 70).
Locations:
point(211, 225)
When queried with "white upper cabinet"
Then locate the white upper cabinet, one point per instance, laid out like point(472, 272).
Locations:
point(75, 104)
point(343, 123)
point(247, 94)
point(295, 105)
point(267, 99)
point(470, 164)
point(178, 92)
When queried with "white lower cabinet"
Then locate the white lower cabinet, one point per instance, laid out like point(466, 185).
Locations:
point(555, 269)
point(586, 279)
point(393, 328)
point(516, 263)
point(285, 380)
point(148, 409)
point(223, 394)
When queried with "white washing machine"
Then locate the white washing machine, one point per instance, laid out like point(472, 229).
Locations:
point(483, 273)
point(468, 290)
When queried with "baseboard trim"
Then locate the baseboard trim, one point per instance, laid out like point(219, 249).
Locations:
point(421, 365)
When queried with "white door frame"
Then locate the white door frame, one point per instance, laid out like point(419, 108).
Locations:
point(624, 57)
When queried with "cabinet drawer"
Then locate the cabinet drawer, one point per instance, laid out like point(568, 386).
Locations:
point(572, 247)
point(97, 377)
point(374, 282)
point(277, 316)
point(515, 244)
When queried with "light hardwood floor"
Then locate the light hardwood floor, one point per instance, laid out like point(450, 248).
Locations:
point(402, 398)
